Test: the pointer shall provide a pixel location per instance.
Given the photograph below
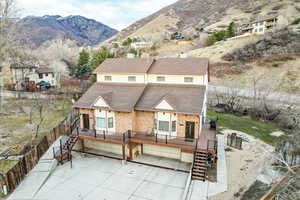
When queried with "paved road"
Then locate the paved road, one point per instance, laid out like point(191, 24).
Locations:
point(275, 96)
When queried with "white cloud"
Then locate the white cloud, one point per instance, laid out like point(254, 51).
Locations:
point(115, 13)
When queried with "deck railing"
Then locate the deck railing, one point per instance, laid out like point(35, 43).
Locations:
point(145, 136)
point(105, 135)
point(164, 139)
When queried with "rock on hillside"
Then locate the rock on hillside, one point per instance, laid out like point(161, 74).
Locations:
point(35, 31)
point(186, 15)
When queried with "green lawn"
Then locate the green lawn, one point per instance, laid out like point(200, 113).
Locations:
point(252, 127)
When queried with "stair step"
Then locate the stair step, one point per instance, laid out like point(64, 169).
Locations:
point(197, 178)
point(200, 167)
point(202, 173)
point(200, 164)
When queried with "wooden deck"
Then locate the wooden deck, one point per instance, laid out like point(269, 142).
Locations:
point(206, 140)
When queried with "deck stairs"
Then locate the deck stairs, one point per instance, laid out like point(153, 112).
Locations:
point(64, 153)
point(199, 169)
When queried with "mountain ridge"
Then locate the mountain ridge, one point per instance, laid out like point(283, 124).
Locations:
point(35, 30)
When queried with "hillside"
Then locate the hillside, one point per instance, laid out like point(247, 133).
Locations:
point(34, 31)
point(187, 15)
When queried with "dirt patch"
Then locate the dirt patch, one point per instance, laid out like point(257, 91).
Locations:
point(243, 167)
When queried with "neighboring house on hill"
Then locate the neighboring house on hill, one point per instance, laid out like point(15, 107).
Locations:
point(22, 73)
point(28, 75)
point(47, 75)
point(260, 25)
point(147, 106)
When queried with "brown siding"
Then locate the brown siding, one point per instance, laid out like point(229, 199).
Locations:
point(124, 121)
point(182, 118)
point(144, 121)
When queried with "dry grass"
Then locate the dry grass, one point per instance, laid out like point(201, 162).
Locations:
point(16, 128)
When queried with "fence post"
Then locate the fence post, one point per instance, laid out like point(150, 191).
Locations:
point(156, 137)
point(60, 146)
point(77, 128)
point(95, 133)
point(104, 136)
point(166, 139)
point(124, 137)
point(53, 153)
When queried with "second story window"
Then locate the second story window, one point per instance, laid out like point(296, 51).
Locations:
point(160, 79)
point(131, 79)
point(107, 78)
point(188, 79)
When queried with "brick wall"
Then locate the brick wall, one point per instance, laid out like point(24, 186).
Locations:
point(144, 121)
point(182, 118)
point(124, 121)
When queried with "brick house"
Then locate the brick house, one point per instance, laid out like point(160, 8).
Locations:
point(147, 106)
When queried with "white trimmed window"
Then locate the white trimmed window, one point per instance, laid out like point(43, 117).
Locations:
point(160, 79)
point(163, 126)
point(110, 122)
point(107, 78)
point(173, 126)
point(131, 78)
point(101, 122)
point(188, 79)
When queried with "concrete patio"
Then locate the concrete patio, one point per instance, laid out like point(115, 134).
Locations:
point(94, 177)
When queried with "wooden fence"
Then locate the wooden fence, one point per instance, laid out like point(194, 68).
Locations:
point(10, 180)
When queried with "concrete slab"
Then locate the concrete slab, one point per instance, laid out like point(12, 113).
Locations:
point(100, 178)
point(154, 191)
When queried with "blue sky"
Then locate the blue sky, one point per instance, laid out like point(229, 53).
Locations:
point(115, 13)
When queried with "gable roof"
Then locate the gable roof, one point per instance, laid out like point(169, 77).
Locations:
point(43, 70)
point(103, 100)
point(186, 99)
point(120, 97)
point(125, 65)
point(180, 66)
point(168, 101)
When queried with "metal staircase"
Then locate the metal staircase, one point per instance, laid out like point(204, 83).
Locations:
point(199, 169)
point(64, 153)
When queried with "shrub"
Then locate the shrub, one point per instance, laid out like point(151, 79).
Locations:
point(221, 34)
point(296, 21)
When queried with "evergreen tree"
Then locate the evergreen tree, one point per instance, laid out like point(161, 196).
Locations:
point(231, 30)
point(83, 64)
point(100, 56)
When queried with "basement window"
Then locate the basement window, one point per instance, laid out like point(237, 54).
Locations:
point(160, 79)
point(188, 79)
point(107, 78)
point(163, 126)
point(131, 78)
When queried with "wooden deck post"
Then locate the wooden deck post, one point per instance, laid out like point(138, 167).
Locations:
point(123, 151)
point(82, 145)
